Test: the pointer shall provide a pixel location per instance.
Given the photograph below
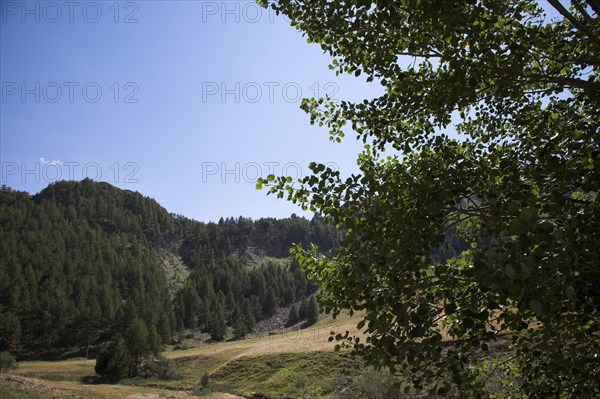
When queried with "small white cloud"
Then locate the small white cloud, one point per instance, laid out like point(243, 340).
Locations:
point(55, 162)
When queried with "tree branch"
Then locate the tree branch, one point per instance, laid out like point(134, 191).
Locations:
point(595, 4)
point(432, 55)
point(583, 13)
point(574, 21)
point(564, 81)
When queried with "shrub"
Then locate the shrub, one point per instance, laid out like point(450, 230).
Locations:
point(203, 386)
point(7, 362)
point(501, 378)
point(302, 385)
point(379, 384)
point(162, 368)
point(205, 381)
point(370, 384)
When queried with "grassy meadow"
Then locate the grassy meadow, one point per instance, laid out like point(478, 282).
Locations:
point(285, 363)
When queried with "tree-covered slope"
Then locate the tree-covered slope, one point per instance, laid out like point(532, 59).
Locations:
point(82, 260)
point(76, 266)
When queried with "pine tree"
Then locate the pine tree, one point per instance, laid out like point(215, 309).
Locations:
point(204, 315)
point(248, 316)
point(80, 262)
point(233, 309)
point(239, 329)
point(191, 307)
point(136, 339)
point(312, 310)
point(302, 309)
point(218, 326)
point(154, 342)
point(270, 302)
point(164, 328)
point(294, 315)
point(10, 331)
point(114, 360)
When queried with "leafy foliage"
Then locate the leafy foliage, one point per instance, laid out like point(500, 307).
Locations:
point(490, 118)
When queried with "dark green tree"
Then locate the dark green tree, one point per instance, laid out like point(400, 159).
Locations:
point(248, 315)
point(217, 327)
point(239, 329)
point(302, 308)
point(10, 331)
point(312, 310)
point(78, 267)
point(155, 346)
point(486, 128)
point(138, 345)
point(270, 302)
point(294, 315)
point(82, 260)
point(113, 361)
point(191, 306)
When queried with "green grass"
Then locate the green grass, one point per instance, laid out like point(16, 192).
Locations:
point(290, 374)
point(273, 375)
point(194, 368)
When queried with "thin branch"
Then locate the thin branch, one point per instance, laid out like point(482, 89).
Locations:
point(574, 21)
point(425, 55)
point(502, 363)
point(583, 13)
point(595, 4)
point(564, 81)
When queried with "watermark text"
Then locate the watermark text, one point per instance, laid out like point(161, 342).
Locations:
point(69, 92)
point(254, 92)
point(53, 12)
point(249, 172)
point(238, 12)
point(52, 171)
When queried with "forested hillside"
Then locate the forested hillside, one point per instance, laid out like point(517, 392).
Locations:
point(81, 261)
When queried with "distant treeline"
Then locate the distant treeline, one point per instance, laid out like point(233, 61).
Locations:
point(80, 262)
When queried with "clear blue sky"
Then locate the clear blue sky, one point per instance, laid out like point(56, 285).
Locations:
point(183, 101)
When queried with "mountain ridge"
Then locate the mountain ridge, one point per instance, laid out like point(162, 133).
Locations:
point(85, 259)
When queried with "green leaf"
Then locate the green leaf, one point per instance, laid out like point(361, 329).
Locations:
point(520, 90)
point(510, 272)
point(537, 307)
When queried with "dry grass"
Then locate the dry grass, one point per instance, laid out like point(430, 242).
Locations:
point(58, 379)
point(313, 339)
point(209, 358)
point(68, 370)
point(24, 387)
point(220, 395)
